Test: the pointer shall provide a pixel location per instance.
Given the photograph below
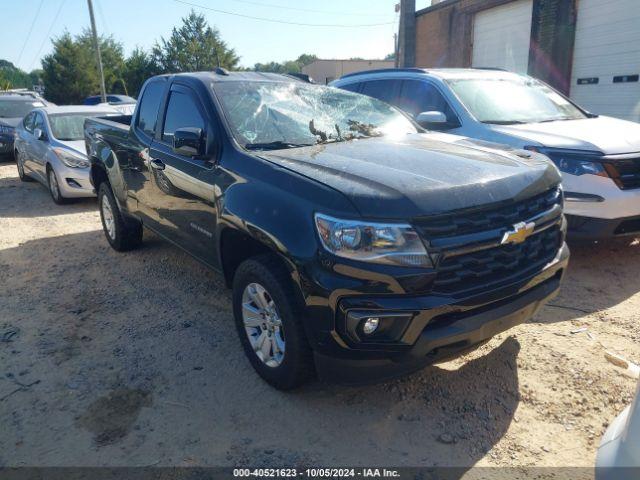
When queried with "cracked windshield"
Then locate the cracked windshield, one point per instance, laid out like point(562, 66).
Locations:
point(276, 115)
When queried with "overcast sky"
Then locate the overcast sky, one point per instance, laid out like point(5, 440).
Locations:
point(142, 22)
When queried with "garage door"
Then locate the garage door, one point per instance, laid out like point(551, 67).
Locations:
point(501, 36)
point(607, 48)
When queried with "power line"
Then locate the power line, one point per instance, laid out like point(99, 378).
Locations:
point(46, 37)
point(26, 40)
point(283, 7)
point(273, 20)
point(105, 25)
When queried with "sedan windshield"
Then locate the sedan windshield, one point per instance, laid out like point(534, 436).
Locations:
point(272, 115)
point(17, 108)
point(70, 126)
point(513, 100)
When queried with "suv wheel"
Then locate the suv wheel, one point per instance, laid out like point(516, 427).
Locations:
point(122, 233)
point(20, 164)
point(268, 315)
point(54, 187)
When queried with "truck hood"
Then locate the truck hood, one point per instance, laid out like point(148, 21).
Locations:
point(419, 174)
point(604, 134)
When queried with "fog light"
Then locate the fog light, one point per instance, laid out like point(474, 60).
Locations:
point(370, 325)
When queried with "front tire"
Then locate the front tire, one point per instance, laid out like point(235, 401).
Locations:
point(268, 315)
point(20, 164)
point(54, 187)
point(122, 233)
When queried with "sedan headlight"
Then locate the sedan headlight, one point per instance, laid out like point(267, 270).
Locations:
point(7, 130)
point(70, 159)
point(386, 243)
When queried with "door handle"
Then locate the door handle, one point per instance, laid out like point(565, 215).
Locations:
point(157, 164)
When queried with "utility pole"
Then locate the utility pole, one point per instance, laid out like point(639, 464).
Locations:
point(407, 34)
point(103, 92)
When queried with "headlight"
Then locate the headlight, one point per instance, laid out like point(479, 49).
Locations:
point(7, 130)
point(386, 243)
point(70, 159)
point(574, 162)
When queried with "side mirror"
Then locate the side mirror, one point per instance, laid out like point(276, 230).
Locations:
point(188, 142)
point(39, 134)
point(431, 119)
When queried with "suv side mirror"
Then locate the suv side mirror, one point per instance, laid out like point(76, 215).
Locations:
point(431, 119)
point(188, 142)
point(39, 134)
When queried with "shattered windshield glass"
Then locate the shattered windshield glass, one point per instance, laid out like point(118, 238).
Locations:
point(272, 115)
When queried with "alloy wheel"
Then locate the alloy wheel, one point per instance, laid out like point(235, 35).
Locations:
point(108, 218)
point(53, 185)
point(263, 325)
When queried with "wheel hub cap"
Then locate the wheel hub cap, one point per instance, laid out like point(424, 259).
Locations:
point(263, 325)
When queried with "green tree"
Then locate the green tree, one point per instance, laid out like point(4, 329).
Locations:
point(137, 68)
point(289, 66)
point(13, 77)
point(194, 46)
point(70, 72)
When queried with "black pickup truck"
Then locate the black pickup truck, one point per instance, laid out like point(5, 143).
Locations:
point(358, 247)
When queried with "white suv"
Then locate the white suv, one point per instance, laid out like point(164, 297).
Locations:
point(599, 156)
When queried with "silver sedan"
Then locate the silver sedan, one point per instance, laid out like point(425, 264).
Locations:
point(49, 147)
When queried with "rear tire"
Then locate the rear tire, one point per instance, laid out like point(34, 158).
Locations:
point(122, 233)
point(54, 187)
point(23, 176)
point(287, 362)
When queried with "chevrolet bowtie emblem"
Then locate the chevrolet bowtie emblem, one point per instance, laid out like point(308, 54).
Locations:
point(519, 233)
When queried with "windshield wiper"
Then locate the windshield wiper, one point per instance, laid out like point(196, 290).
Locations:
point(276, 145)
point(559, 119)
point(504, 122)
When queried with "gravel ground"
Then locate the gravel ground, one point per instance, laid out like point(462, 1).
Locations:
point(132, 359)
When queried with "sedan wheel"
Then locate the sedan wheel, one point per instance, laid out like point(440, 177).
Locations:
point(54, 188)
point(263, 325)
point(20, 164)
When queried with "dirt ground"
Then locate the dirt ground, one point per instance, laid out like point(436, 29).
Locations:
point(132, 359)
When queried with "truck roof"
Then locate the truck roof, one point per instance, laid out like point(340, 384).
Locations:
point(220, 75)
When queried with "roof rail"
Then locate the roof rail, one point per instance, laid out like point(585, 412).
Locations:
point(384, 70)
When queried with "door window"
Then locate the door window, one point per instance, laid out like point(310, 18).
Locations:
point(419, 96)
point(149, 106)
point(182, 112)
point(39, 122)
point(385, 90)
point(28, 122)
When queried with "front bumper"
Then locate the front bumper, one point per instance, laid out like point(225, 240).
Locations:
point(74, 182)
point(438, 327)
point(592, 229)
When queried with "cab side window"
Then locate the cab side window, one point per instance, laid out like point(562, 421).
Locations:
point(385, 90)
point(419, 96)
point(352, 87)
point(149, 106)
point(182, 112)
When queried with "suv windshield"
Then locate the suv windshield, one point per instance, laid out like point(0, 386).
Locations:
point(513, 100)
point(265, 115)
point(70, 126)
point(17, 108)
